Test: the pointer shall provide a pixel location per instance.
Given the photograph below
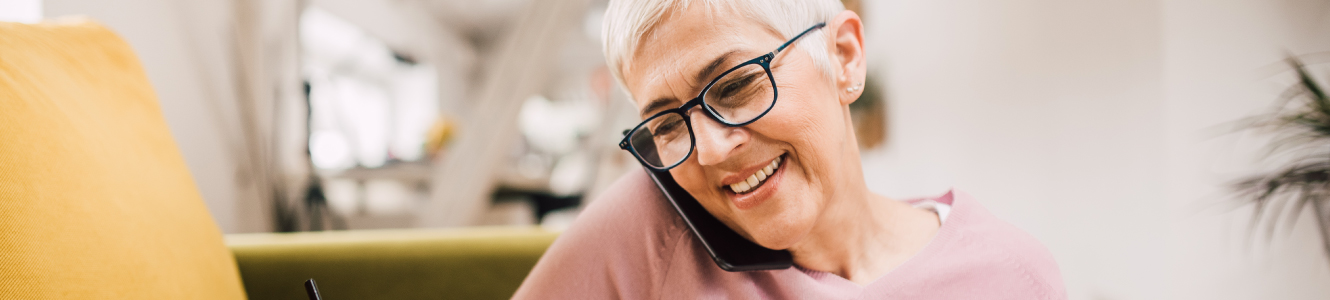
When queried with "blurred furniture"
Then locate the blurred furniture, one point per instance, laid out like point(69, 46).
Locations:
point(97, 203)
point(95, 200)
point(482, 263)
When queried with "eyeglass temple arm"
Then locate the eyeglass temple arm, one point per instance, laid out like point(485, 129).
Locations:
point(796, 38)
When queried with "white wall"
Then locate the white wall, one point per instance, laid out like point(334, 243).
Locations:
point(27, 11)
point(1219, 58)
point(1085, 123)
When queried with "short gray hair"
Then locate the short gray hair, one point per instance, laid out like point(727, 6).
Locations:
point(626, 21)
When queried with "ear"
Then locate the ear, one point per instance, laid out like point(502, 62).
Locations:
point(847, 41)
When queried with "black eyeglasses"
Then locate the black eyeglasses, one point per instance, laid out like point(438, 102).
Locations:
point(737, 97)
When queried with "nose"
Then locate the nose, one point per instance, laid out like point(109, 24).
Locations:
point(715, 141)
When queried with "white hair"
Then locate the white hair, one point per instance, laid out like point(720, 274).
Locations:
point(626, 21)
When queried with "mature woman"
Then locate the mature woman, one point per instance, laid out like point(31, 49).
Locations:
point(746, 105)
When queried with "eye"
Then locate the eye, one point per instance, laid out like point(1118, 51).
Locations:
point(736, 86)
point(666, 127)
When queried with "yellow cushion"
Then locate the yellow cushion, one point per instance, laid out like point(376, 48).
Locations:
point(95, 200)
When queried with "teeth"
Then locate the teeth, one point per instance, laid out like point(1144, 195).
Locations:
point(757, 178)
point(742, 186)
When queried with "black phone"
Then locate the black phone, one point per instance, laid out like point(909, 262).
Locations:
point(731, 251)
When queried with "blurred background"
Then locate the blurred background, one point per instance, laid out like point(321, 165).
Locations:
point(1104, 128)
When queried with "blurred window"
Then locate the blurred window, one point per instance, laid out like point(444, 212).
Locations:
point(369, 106)
point(370, 110)
point(26, 11)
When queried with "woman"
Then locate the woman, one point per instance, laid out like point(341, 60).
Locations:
point(763, 140)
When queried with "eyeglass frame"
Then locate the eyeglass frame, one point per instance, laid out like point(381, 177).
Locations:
point(764, 61)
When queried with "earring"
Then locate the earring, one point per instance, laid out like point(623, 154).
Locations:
point(854, 88)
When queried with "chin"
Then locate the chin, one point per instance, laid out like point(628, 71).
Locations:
point(780, 228)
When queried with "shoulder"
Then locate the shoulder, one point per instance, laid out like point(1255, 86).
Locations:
point(619, 246)
point(632, 204)
point(1003, 249)
point(631, 218)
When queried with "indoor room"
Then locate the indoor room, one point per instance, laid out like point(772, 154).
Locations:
point(563, 149)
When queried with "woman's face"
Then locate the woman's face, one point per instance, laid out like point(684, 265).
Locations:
point(807, 129)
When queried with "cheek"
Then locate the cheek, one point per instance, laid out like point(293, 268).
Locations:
point(808, 121)
point(693, 179)
point(810, 118)
point(807, 106)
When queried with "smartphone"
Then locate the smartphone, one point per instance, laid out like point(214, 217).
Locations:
point(731, 251)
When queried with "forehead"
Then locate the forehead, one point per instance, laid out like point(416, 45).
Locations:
point(683, 43)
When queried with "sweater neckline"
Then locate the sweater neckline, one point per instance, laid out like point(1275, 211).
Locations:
point(946, 234)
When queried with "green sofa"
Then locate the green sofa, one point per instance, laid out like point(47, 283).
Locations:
point(471, 263)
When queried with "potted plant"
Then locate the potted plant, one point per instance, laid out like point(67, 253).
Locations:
point(1300, 124)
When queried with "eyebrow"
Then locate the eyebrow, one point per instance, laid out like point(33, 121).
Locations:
point(701, 76)
point(657, 104)
point(711, 67)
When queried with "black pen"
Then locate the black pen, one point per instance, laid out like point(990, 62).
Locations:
point(312, 289)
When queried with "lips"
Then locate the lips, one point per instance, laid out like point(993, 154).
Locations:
point(765, 188)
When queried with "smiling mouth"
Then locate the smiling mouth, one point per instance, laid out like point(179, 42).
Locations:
point(757, 178)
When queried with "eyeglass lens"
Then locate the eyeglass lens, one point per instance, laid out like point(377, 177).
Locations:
point(741, 95)
point(738, 97)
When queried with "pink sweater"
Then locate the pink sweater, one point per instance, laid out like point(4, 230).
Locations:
point(630, 244)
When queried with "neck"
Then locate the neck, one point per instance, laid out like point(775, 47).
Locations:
point(860, 235)
point(863, 240)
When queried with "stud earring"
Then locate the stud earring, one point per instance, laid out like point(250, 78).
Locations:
point(854, 88)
